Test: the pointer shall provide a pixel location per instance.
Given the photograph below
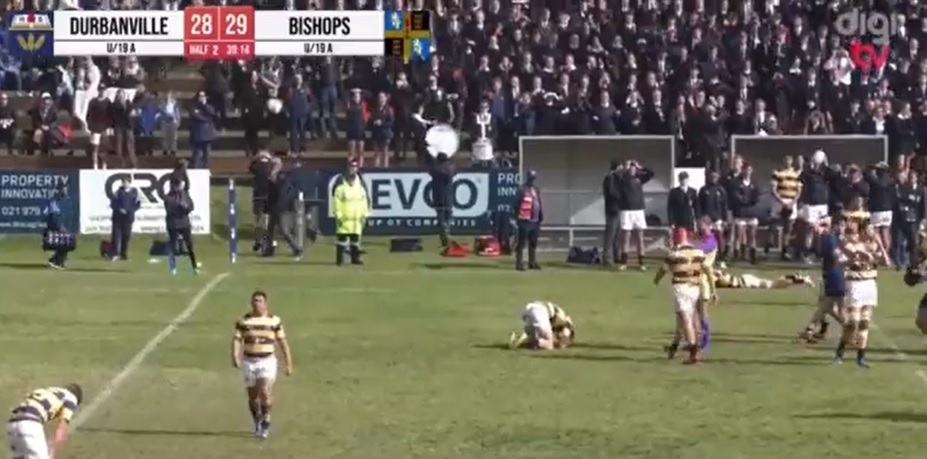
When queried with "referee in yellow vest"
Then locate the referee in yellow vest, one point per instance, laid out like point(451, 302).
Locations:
point(351, 209)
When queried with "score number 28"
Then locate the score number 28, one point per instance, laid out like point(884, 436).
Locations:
point(219, 23)
point(236, 24)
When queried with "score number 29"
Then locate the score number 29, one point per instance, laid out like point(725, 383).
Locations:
point(236, 24)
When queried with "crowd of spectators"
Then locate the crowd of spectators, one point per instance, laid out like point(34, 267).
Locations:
point(699, 70)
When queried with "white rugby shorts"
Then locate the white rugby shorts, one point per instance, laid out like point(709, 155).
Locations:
point(537, 322)
point(813, 214)
point(862, 293)
point(27, 439)
point(95, 138)
point(780, 206)
point(881, 219)
point(632, 220)
point(254, 369)
point(685, 297)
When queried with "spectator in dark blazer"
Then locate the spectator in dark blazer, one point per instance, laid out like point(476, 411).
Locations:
point(121, 113)
point(203, 118)
point(382, 124)
point(99, 121)
point(44, 120)
point(8, 123)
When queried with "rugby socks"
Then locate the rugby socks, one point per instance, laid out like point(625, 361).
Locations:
point(255, 407)
point(706, 334)
point(861, 358)
point(265, 419)
point(823, 330)
point(672, 349)
point(640, 259)
point(693, 353)
point(171, 258)
point(841, 347)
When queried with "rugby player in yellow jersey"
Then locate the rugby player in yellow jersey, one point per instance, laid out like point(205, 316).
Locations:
point(787, 188)
point(547, 327)
point(861, 254)
point(258, 337)
point(685, 264)
point(856, 214)
point(726, 279)
point(25, 431)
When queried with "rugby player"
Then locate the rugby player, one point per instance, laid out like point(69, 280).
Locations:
point(25, 431)
point(833, 282)
point(547, 327)
point(708, 295)
point(915, 274)
point(258, 337)
point(863, 251)
point(786, 187)
point(726, 279)
point(686, 265)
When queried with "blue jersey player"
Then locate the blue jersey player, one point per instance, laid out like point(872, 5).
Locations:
point(833, 282)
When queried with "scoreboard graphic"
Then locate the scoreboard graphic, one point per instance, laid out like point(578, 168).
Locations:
point(31, 35)
point(221, 33)
point(408, 35)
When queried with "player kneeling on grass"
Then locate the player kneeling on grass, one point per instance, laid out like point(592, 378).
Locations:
point(254, 349)
point(25, 431)
point(686, 265)
point(547, 327)
point(726, 279)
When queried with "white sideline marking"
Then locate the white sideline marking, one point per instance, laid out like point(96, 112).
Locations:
point(901, 355)
point(136, 362)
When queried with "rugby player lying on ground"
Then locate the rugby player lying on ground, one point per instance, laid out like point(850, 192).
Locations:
point(725, 279)
point(547, 327)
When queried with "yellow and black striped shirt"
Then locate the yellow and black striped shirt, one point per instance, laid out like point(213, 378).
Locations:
point(43, 405)
point(686, 264)
point(259, 334)
point(788, 184)
point(859, 217)
point(857, 270)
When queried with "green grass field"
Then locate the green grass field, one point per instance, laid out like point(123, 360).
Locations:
point(404, 358)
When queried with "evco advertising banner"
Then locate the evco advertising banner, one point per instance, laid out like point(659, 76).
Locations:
point(25, 195)
point(97, 187)
point(400, 200)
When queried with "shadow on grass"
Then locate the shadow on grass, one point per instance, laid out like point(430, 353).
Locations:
point(748, 336)
point(164, 432)
point(36, 266)
point(750, 340)
point(494, 347)
point(597, 357)
point(918, 418)
point(616, 347)
point(450, 264)
point(287, 260)
point(565, 265)
point(660, 357)
point(769, 302)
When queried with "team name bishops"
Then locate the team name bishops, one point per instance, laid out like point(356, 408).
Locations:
point(319, 33)
point(119, 33)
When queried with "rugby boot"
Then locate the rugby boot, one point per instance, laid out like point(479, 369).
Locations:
point(671, 350)
point(693, 355)
point(356, 255)
point(339, 254)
